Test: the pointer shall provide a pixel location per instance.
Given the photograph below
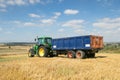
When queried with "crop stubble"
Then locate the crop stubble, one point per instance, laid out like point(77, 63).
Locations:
point(103, 67)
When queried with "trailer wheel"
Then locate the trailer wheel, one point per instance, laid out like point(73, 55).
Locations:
point(71, 54)
point(31, 53)
point(80, 54)
point(43, 52)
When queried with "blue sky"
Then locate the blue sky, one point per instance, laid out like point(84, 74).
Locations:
point(23, 20)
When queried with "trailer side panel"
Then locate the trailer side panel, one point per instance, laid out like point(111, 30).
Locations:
point(72, 43)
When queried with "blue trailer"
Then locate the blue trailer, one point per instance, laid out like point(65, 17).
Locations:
point(79, 46)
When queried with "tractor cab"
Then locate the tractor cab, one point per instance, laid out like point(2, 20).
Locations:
point(44, 41)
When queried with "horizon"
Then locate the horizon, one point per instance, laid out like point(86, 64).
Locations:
point(23, 20)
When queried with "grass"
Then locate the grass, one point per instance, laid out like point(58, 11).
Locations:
point(111, 49)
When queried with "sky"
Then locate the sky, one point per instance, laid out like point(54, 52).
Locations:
point(23, 20)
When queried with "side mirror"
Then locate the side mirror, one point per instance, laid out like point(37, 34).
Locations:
point(35, 39)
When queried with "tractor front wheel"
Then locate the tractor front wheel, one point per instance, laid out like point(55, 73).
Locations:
point(31, 53)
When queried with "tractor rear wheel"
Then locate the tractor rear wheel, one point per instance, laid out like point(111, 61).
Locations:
point(43, 52)
point(80, 54)
point(71, 54)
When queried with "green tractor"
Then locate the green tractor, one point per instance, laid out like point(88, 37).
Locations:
point(42, 48)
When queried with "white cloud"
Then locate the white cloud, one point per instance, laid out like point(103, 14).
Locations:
point(74, 23)
point(29, 24)
point(15, 2)
point(6, 3)
point(8, 32)
point(71, 11)
point(107, 23)
point(51, 20)
point(34, 15)
point(34, 1)
point(57, 14)
point(16, 22)
point(47, 21)
point(3, 10)
point(108, 28)
point(118, 29)
point(2, 5)
point(81, 32)
point(43, 22)
point(20, 2)
point(1, 0)
point(10, 2)
point(61, 30)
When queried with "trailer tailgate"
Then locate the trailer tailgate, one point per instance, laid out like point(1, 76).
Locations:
point(96, 42)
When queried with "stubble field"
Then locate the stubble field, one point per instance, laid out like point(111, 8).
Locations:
point(14, 66)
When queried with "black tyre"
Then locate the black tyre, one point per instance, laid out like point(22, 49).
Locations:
point(31, 53)
point(80, 54)
point(42, 52)
point(92, 55)
point(71, 54)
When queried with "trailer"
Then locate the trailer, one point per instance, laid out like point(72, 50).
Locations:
point(73, 47)
point(78, 47)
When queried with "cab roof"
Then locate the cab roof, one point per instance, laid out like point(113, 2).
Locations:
point(44, 37)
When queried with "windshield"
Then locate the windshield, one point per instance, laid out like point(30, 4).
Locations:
point(40, 41)
point(48, 40)
point(44, 41)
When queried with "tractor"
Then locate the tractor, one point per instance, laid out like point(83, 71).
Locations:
point(42, 48)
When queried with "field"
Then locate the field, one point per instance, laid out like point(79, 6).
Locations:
point(16, 65)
